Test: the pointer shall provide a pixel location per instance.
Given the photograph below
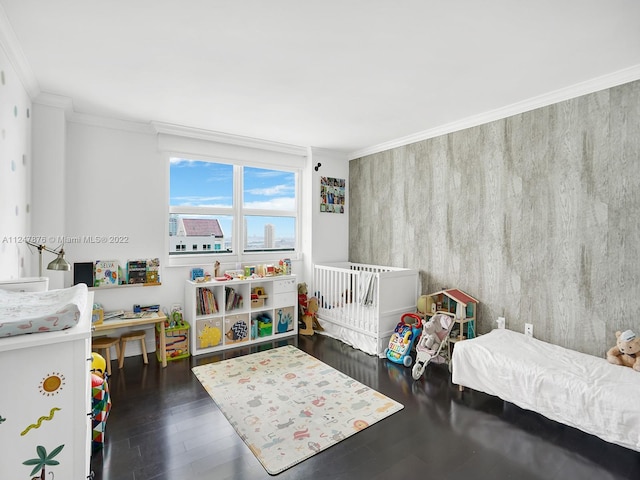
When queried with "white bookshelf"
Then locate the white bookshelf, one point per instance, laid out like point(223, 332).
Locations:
point(219, 324)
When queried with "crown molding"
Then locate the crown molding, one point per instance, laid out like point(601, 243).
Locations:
point(583, 88)
point(56, 101)
point(66, 104)
point(327, 152)
point(112, 123)
point(11, 46)
point(227, 138)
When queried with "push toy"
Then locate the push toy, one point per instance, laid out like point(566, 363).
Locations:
point(401, 342)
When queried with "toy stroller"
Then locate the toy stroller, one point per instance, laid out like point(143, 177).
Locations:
point(402, 340)
point(433, 345)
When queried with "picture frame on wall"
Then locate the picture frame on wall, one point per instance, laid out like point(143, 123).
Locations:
point(332, 194)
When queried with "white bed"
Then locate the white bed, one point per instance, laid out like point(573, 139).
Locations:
point(361, 304)
point(24, 312)
point(579, 390)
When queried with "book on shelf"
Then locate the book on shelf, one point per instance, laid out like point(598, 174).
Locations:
point(153, 270)
point(133, 315)
point(233, 299)
point(137, 271)
point(106, 273)
point(206, 302)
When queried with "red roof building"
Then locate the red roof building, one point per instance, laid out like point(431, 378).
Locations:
point(199, 227)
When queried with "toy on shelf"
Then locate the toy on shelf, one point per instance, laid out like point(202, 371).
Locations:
point(258, 297)
point(402, 340)
point(263, 325)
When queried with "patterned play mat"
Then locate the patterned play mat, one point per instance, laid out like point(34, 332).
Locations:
point(287, 405)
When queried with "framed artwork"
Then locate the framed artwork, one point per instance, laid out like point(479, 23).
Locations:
point(332, 194)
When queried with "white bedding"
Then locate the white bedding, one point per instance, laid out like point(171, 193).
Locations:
point(34, 312)
point(580, 390)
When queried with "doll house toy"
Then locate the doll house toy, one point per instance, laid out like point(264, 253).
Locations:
point(403, 338)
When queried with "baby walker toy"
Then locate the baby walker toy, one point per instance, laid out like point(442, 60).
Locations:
point(433, 344)
point(401, 342)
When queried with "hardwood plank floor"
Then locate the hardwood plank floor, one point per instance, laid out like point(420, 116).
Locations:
point(164, 426)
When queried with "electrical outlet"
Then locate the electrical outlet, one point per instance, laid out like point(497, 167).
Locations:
point(528, 329)
point(501, 322)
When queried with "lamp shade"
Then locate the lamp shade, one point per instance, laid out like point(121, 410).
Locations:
point(59, 263)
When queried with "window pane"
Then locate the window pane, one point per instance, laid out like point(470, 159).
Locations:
point(200, 234)
point(269, 189)
point(199, 183)
point(269, 233)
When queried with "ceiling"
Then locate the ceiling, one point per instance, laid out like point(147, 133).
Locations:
point(337, 74)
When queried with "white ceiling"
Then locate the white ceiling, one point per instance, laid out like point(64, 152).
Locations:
point(336, 74)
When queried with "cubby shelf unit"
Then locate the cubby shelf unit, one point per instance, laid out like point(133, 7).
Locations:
point(221, 314)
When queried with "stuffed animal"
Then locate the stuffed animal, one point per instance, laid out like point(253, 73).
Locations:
point(627, 350)
point(302, 299)
point(429, 338)
point(309, 318)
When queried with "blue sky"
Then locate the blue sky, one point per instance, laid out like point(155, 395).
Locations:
point(200, 183)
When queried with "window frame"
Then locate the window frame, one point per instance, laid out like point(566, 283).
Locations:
point(237, 212)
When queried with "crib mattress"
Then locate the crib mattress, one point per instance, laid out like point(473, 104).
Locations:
point(579, 390)
point(35, 312)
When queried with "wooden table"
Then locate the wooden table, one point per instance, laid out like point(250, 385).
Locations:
point(158, 318)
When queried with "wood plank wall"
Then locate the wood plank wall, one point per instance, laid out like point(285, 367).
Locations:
point(536, 215)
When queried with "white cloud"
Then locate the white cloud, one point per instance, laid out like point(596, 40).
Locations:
point(273, 190)
point(281, 203)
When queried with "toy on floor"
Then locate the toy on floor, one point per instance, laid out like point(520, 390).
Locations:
point(402, 340)
point(98, 365)
point(309, 319)
point(433, 340)
point(307, 309)
point(627, 350)
point(302, 299)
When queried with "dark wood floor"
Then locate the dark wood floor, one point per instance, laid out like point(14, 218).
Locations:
point(164, 426)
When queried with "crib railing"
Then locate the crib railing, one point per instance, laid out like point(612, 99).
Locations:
point(348, 294)
point(361, 304)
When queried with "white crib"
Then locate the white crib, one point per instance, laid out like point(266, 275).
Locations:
point(361, 304)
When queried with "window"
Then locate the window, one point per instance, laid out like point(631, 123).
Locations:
point(235, 210)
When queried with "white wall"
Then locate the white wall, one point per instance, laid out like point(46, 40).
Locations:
point(116, 185)
point(49, 183)
point(15, 173)
point(330, 232)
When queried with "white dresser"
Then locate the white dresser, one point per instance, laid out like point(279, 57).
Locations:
point(45, 402)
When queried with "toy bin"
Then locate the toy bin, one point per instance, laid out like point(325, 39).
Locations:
point(177, 342)
point(264, 324)
point(237, 328)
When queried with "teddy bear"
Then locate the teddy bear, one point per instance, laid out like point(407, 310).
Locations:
point(627, 350)
point(429, 338)
point(302, 299)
